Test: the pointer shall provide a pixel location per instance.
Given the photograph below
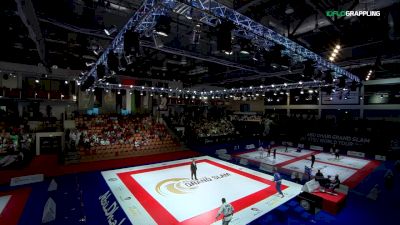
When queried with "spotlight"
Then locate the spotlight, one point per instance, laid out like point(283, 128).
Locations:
point(89, 64)
point(224, 36)
point(157, 41)
point(245, 46)
point(301, 92)
point(337, 47)
point(112, 61)
point(111, 30)
point(66, 82)
point(308, 69)
point(163, 26)
point(131, 43)
point(257, 56)
point(331, 59)
point(342, 82)
point(118, 92)
point(196, 35)
point(37, 81)
point(97, 50)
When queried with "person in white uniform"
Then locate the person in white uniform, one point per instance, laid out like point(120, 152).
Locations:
point(261, 151)
point(227, 210)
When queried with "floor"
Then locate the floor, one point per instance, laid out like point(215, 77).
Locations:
point(164, 193)
point(85, 198)
point(351, 170)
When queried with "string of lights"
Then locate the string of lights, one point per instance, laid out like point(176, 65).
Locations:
point(220, 92)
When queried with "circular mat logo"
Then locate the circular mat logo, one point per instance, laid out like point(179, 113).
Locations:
point(174, 186)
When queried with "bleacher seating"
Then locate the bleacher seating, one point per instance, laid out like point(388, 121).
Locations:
point(124, 136)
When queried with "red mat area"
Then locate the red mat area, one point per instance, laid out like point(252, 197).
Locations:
point(331, 203)
point(48, 165)
point(13, 210)
point(362, 173)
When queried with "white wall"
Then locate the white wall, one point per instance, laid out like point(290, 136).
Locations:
point(57, 108)
point(11, 82)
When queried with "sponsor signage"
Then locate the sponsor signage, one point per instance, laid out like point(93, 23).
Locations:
point(110, 207)
point(343, 140)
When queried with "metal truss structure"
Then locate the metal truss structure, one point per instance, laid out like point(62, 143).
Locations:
point(211, 13)
point(224, 92)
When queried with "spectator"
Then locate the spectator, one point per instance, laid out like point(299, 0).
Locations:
point(389, 179)
point(374, 193)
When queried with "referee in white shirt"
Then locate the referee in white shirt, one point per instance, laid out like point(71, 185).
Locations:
point(227, 210)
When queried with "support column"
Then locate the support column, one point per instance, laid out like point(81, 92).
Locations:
point(319, 103)
point(128, 101)
point(288, 104)
point(362, 102)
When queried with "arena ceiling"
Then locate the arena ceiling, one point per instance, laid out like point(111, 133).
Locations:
point(69, 30)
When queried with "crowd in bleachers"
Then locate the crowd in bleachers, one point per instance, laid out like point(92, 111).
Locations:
point(206, 128)
point(14, 144)
point(117, 134)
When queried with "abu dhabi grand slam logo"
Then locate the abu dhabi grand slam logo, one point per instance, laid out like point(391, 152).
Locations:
point(184, 185)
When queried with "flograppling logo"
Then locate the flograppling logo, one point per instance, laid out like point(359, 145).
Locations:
point(343, 13)
point(182, 186)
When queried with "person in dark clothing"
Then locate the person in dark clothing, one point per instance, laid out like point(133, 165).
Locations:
point(193, 169)
point(312, 160)
point(337, 154)
point(269, 151)
point(274, 153)
point(335, 183)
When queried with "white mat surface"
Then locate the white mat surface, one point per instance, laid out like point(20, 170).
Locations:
point(326, 169)
point(256, 156)
point(201, 198)
point(3, 202)
point(351, 162)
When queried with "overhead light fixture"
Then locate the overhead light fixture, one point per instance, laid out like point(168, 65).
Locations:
point(37, 81)
point(289, 10)
point(97, 50)
point(337, 47)
point(89, 64)
point(301, 92)
point(331, 59)
point(157, 40)
point(66, 82)
point(163, 26)
point(111, 30)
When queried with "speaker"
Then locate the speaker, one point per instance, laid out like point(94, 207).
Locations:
point(87, 83)
point(101, 71)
